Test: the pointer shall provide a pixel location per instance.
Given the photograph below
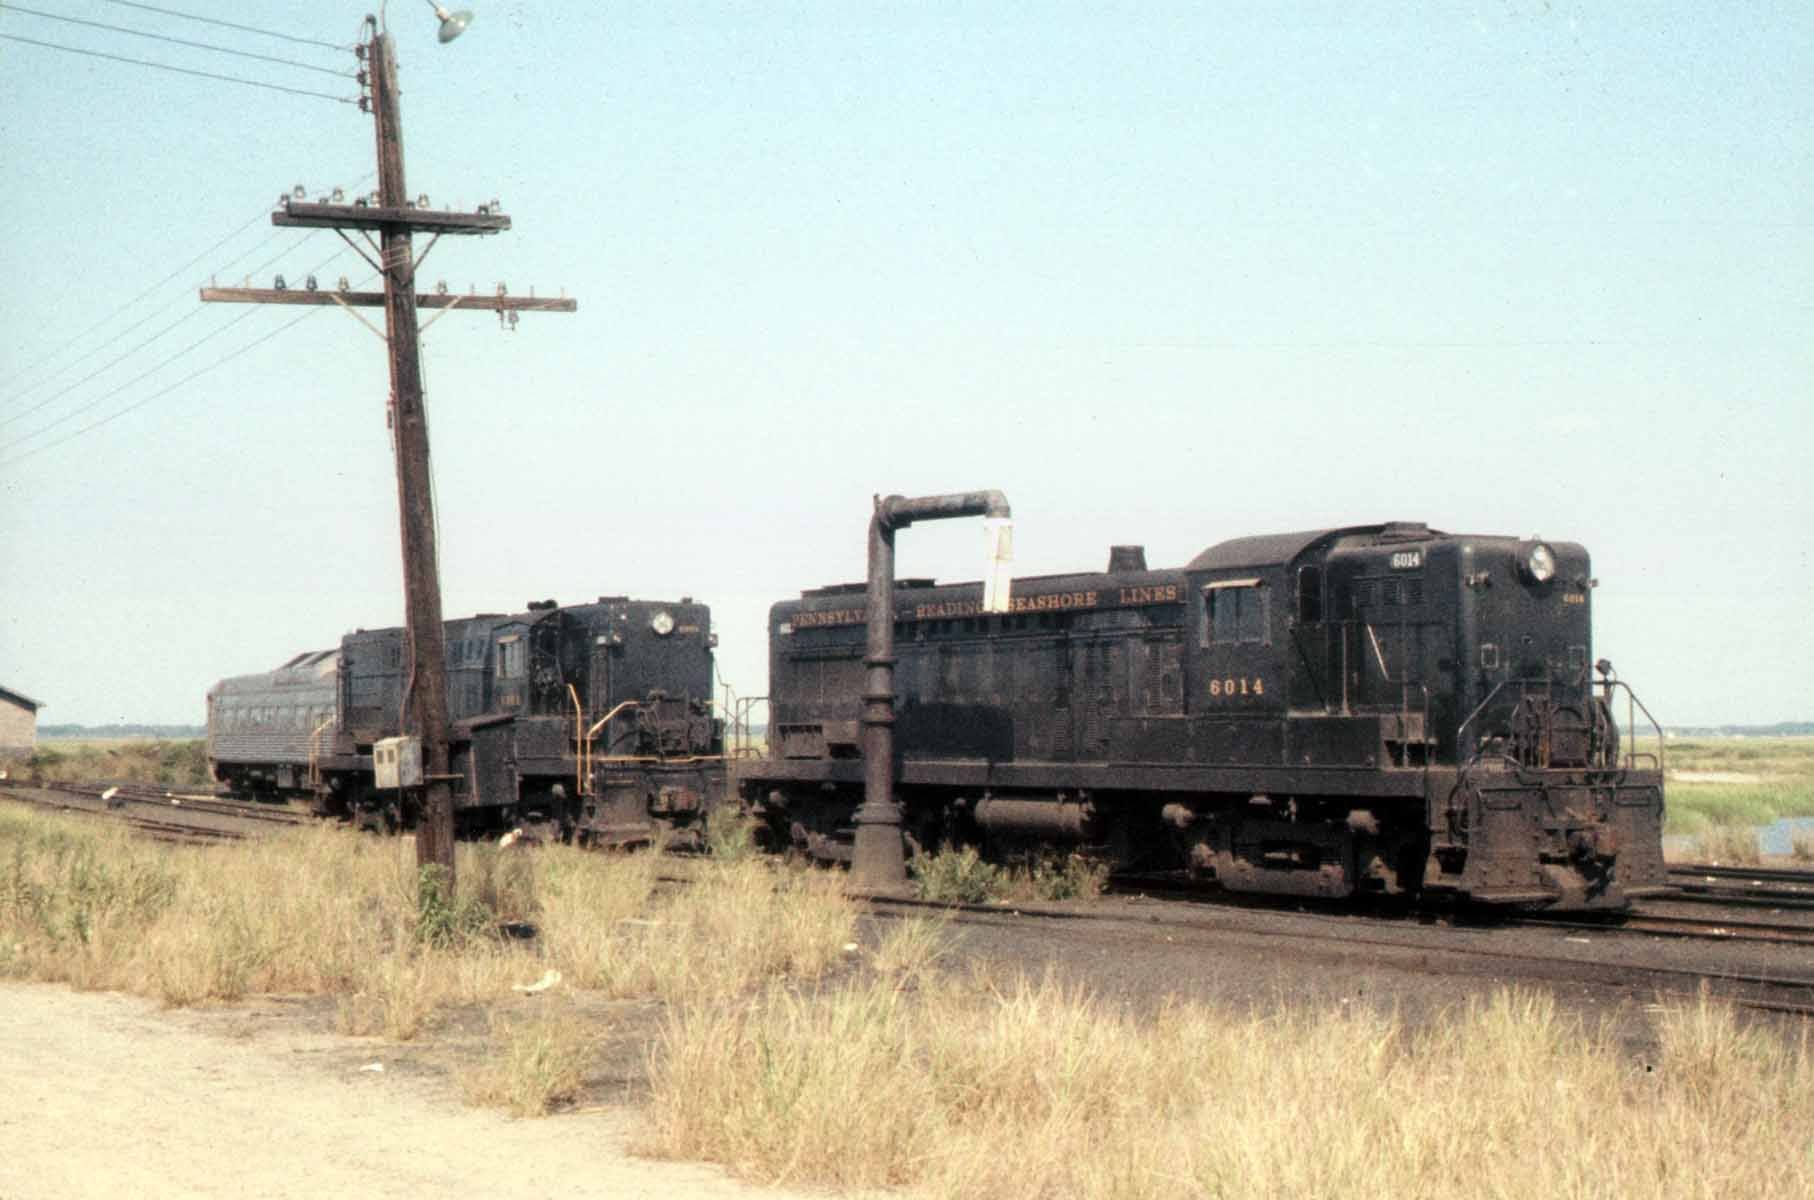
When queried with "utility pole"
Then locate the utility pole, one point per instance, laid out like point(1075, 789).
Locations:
point(395, 219)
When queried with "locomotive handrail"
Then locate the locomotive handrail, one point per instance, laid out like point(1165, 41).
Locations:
point(1478, 709)
point(607, 718)
point(601, 723)
point(741, 746)
point(1524, 686)
point(580, 774)
point(1633, 706)
point(1631, 702)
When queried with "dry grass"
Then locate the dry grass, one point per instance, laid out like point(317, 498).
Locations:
point(536, 1064)
point(1034, 1090)
point(911, 948)
point(317, 911)
point(734, 925)
point(902, 1076)
point(324, 911)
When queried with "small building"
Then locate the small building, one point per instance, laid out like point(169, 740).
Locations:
point(18, 721)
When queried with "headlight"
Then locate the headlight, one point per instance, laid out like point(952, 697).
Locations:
point(1538, 562)
point(662, 623)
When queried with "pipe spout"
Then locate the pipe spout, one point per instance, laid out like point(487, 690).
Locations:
point(898, 512)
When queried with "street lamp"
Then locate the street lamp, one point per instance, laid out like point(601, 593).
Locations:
point(452, 24)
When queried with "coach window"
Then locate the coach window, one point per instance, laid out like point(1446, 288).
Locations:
point(1234, 612)
point(510, 657)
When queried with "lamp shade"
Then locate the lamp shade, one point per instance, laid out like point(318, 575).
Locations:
point(453, 24)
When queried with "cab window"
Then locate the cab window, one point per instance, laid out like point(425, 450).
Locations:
point(1234, 612)
point(1310, 595)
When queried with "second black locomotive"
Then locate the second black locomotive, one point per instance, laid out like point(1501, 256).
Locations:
point(590, 721)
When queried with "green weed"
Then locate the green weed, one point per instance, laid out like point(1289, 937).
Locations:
point(956, 877)
point(730, 834)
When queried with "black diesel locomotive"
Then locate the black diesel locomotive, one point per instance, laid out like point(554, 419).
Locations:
point(591, 721)
point(1381, 708)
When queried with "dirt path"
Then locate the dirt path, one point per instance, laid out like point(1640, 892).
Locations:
point(107, 1096)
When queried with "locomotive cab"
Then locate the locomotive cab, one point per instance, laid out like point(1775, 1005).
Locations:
point(1420, 714)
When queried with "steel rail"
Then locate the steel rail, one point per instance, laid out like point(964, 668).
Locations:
point(1759, 874)
point(1785, 994)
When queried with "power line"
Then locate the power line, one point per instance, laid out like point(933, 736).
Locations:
point(94, 374)
point(102, 370)
point(100, 346)
point(139, 378)
point(96, 349)
point(122, 308)
point(111, 417)
point(139, 62)
point(228, 25)
point(158, 37)
point(164, 391)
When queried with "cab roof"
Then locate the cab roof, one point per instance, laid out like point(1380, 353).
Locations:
point(1277, 549)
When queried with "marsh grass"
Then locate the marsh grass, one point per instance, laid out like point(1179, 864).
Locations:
point(1034, 1089)
point(1733, 845)
point(1774, 779)
point(1761, 755)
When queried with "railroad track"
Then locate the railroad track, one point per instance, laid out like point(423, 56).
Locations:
point(193, 801)
point(1721, 929)
point(1777, 889)
point(1748, 875)
point(1465, 949)
point(1779, 899)
point(155, 827)
point(1649, 917)
point(1735, 928)
point(164, 814)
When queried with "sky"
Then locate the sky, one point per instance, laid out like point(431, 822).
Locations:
point(1164, 274)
